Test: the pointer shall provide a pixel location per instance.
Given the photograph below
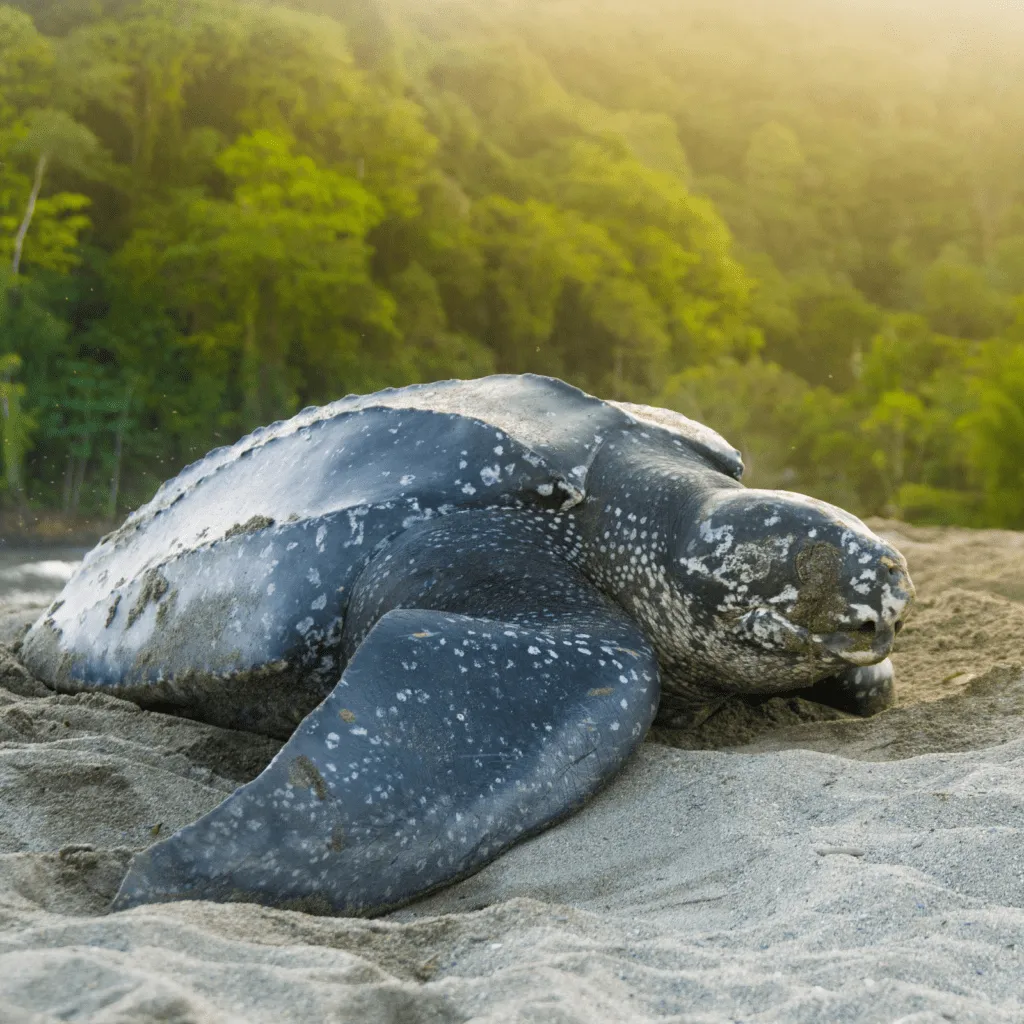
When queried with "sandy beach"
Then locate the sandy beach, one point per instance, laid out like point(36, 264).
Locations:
point(814, 867)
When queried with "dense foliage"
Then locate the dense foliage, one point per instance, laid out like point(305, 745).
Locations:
point(802, 224)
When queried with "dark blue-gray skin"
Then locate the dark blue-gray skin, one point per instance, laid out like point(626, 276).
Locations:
point(463, 603)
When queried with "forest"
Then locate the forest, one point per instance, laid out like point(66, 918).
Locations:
point(800, 222)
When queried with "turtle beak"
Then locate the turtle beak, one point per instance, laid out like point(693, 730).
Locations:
point(869, 629)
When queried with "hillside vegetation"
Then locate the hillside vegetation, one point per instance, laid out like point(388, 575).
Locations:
point(798, 222)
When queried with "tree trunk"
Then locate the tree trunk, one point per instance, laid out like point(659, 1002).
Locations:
point(30, 209)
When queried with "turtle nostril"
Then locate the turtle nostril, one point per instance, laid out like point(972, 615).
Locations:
point(866, 627)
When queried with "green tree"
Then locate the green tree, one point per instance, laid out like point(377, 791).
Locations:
point(430, 349)
point(959, 300)
point(220, 210)
point(278, 276)
point(51, 136)
point(17, 426)
point(994, 429)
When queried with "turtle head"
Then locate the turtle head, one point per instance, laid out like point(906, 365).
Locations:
point(774, 590)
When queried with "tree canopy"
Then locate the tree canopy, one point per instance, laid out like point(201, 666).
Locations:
point(802, 223)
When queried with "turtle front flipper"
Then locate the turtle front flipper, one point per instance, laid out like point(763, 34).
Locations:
point(447, 739)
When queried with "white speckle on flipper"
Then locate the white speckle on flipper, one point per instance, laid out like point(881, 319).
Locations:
point(490, 475)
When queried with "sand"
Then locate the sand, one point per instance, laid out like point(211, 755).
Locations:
point(818, 868)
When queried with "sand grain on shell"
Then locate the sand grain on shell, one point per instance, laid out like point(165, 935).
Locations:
point(820, 873)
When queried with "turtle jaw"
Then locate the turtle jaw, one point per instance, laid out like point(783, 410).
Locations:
point(869, 630)
point(769, 627)
point(849, 644)
point(853, 623)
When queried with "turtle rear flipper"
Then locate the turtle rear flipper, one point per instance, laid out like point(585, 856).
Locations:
point(447, 739)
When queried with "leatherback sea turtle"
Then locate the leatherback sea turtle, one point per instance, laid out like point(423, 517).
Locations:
point(462, 602)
